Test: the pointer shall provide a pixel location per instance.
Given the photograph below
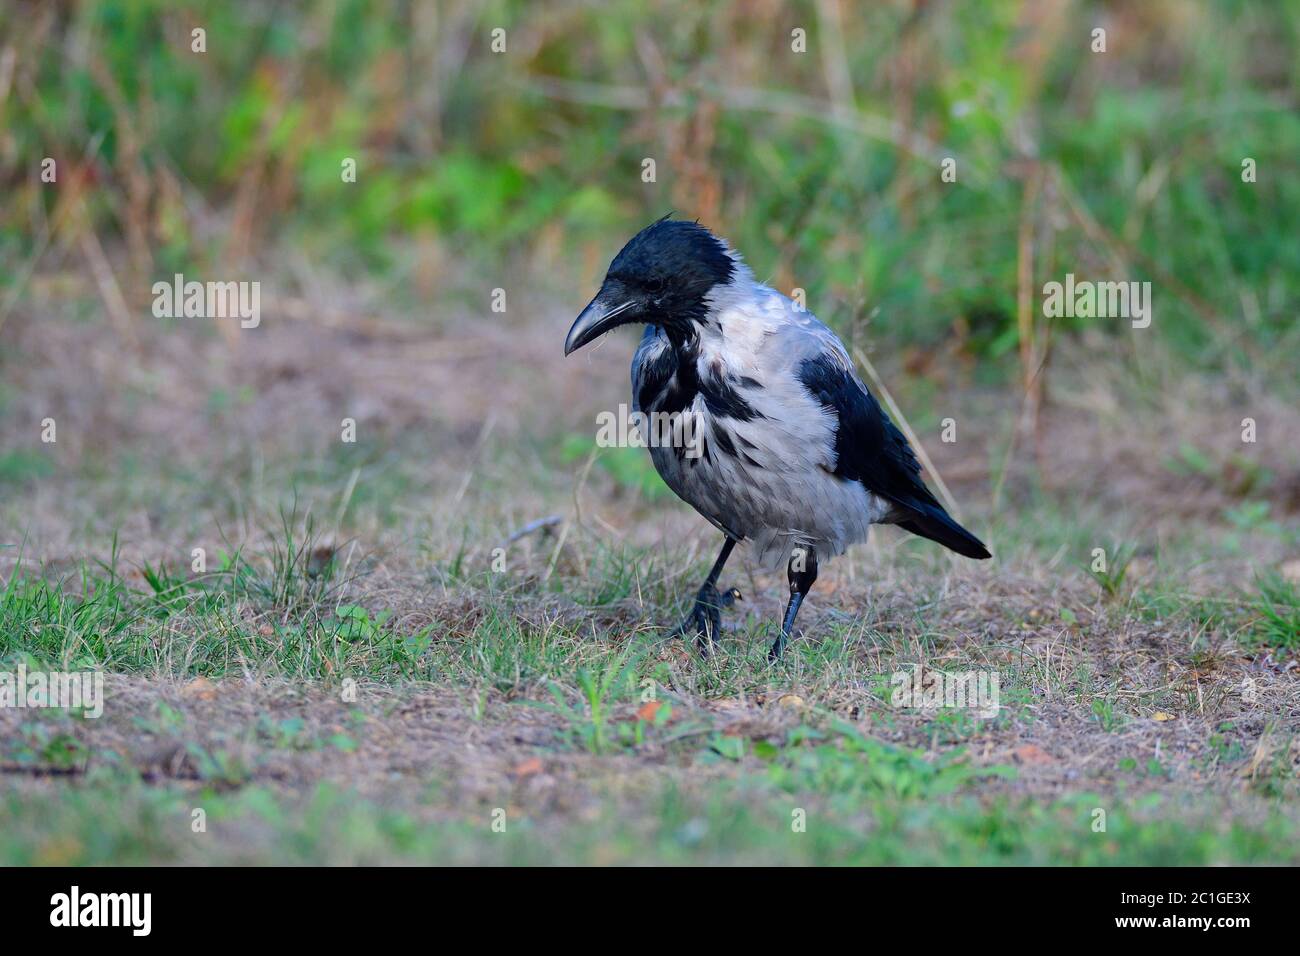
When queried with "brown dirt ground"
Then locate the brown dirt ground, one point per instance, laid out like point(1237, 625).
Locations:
point(1106, 451)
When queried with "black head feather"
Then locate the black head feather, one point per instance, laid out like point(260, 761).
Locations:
point(662, 277)
point(670, 266)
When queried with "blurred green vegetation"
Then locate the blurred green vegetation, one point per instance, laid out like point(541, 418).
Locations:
point(823, 166)
point(894, 809)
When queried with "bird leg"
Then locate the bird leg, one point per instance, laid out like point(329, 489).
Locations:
point(802, 572)
point(705, 619)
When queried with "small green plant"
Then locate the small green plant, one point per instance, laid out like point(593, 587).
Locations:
point(590, 722)
point(727, 746)
point(218, 766)
point(1110, 568)
point(287, 734)
point(166, 721)
point(1276, 613)
point(1190, 460)
point(47, 746)
point(1251, 515)
point(22, 466)
point(850, 763)
point(353, 623)
point(1227, 749)
point(1103, 708)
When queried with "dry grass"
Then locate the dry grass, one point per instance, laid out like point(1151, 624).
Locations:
point(1126, 694)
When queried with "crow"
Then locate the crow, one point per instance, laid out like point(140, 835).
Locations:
point(793, 454)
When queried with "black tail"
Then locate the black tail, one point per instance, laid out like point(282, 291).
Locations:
point(931, 521)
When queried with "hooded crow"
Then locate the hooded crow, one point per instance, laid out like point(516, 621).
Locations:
point(793, 454)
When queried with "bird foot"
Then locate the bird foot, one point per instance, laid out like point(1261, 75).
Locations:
point(705, 619)
point(777, 649)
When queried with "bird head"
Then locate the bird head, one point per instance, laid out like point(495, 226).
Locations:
point(661, 277)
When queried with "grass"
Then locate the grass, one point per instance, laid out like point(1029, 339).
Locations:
point(1276, 614)
point(539, 149)
point(361, 652)
point(603, 742)
point(821, 804)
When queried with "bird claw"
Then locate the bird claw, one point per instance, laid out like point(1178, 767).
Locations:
point(777, 649)
point(705, 619)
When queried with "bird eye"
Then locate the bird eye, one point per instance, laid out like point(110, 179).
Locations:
point(655, 285)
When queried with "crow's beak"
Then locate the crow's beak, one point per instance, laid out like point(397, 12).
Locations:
point(596, 319)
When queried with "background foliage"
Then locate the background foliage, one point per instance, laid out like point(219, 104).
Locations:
point(823, 167)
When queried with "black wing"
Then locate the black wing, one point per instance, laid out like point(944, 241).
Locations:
point(870, 449)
